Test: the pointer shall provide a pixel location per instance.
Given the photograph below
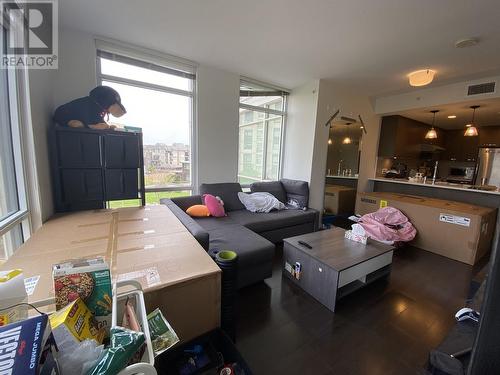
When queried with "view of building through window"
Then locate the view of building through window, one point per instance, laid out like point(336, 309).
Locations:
point(161, 103)
point(262, 116)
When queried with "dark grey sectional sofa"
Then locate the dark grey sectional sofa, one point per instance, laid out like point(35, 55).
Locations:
point(251, 235)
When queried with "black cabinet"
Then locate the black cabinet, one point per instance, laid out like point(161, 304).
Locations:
point(92, 167)
point(460, 148)
point(121, 152)
point(79, 150)
point(121, 184)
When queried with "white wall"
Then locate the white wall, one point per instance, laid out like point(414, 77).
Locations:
point(299, 132)
point(76, 75)
point(218, 117)
point(331, 97)
point(306, 140)
point(432, 96)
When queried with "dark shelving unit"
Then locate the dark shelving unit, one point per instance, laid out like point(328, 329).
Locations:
point(91, 167)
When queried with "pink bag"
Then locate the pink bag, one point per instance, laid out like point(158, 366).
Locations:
point(388, 224)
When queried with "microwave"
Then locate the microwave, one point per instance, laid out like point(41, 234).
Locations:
point(461, 174)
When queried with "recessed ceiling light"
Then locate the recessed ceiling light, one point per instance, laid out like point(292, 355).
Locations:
point(467, 42)
point(421, 77)
point(452, 116)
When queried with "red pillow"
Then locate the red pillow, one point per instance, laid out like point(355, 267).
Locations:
point(214, 205)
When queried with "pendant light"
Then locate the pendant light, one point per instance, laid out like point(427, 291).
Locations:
point(431, 133)
point(330, 141)
point(471, 129)
point(346, 141)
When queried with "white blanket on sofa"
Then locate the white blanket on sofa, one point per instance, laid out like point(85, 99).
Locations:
point(260, 202)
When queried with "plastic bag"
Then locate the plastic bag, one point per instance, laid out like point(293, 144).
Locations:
point(81, 359)
point(124, 344)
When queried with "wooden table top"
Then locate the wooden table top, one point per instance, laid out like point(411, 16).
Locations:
point(331, 248)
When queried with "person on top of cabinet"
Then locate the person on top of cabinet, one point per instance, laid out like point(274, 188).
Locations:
point(89, 111)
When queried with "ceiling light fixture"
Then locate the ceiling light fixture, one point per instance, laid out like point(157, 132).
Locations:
point(471, 129)
point(431, 133)
point(452, 116)
point(421, 77)
point(346, 141)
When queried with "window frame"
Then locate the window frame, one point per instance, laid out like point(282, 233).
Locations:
point(28, 215)
point(170, 62)
point(267, 113)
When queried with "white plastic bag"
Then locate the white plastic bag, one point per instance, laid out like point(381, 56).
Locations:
point(81, 359)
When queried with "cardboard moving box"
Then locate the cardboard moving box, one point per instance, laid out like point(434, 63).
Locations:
point(456, 230)
point(147, 244)
point(339, 199)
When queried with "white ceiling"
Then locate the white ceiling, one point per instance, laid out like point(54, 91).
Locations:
point(364, 44)
point(488, 114)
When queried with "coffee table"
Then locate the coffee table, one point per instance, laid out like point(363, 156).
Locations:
point(334, 266)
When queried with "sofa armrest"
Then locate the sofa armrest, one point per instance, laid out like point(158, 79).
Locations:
point(316, 219)
point(185, 202)
point(191, 225)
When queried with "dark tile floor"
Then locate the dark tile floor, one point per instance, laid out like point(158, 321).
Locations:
point(386, 328)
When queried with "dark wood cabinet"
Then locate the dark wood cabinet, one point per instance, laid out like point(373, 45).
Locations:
point(460, 148)
point(489, 136)
point(404, 137)
point(92, 167)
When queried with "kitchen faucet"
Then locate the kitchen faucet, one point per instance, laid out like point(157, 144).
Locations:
point(435, 172)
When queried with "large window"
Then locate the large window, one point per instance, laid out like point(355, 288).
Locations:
point(158, 97)
point(262, 119)
point(14, 214)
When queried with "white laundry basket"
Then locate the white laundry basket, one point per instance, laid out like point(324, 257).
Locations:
point(121, 291)
point(132, 289)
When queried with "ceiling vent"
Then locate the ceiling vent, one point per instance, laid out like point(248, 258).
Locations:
point(482, 88)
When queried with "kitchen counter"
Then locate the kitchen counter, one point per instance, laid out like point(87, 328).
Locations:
point(343, 177)
point(438, 185)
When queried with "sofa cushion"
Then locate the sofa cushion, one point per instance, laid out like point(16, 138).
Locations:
point(210, 223)
point(261, 222)
point(273, 187)
point(297, 191)
point(251, 248)
point(228, 192)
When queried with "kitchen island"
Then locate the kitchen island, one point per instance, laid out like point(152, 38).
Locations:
point(441, 190)
point(445, 191)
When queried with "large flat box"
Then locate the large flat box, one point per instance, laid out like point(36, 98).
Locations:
point(339, 200)
point(456, 230)
point(147, 244)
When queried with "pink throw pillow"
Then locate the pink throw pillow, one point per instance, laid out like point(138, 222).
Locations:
point(214, 205)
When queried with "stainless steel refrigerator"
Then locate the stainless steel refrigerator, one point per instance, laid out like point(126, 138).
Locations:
point(488, 166)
